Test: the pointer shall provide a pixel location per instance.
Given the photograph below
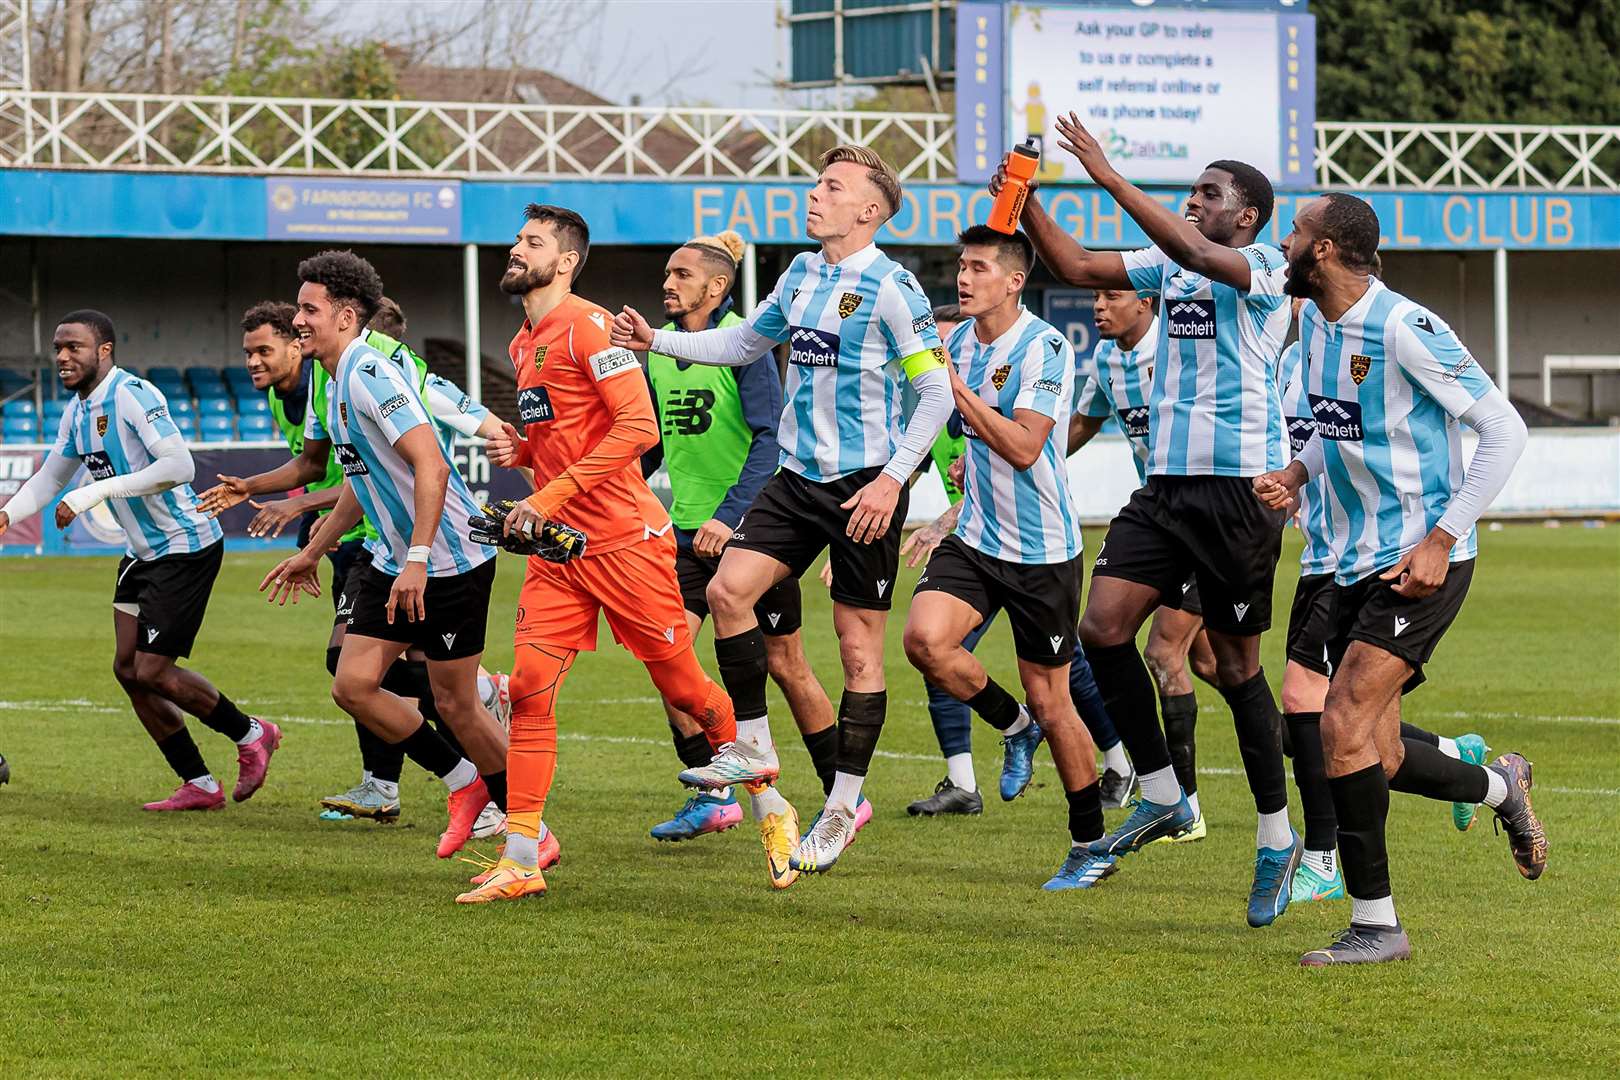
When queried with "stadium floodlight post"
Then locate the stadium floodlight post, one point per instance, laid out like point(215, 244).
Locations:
point(750, 278)
point(469, 300)
point(1501, 288)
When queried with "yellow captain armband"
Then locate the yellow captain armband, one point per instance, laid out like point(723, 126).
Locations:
point(927, 360)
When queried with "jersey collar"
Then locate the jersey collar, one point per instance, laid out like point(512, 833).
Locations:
point(1009, 336)
point(1356, 312)
point(855, 264)
point(115, 375)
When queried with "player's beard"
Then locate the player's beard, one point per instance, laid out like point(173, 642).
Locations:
point(1301, 280)
point(520, 282)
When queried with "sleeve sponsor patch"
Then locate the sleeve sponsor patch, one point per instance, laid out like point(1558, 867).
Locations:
point(612, 362)
point(393, 404)
point(1455, 371)
point(1259, 255)
point(1051, 386)
point(922, 322)
point(157, 414)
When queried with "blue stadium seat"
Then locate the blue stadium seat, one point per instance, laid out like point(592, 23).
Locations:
point(51, 415)
point(20, 429)
point(252, 404)
point(23, 406)
point(181, 406)
point(187, 426)
point(215, 428)
point(159, 372)
point(12, 381)
point(216, 406)
point(253, 426)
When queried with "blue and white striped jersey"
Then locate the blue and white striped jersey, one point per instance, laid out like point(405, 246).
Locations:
point(451, 409)
point(1314, 525)
point(1215, 409)
point(848, 327)
point(1119, 383)
point(371, 404)
point(1386, 384)
point(113, 432)
point(1018, 516)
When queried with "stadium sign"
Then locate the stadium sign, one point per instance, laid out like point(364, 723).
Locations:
point(630, 212)
point(376, 211)
point(1165, 88)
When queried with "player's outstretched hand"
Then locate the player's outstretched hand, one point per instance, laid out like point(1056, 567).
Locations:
point(272, 517)
point(1080, 142)
point(921, 544)
point(64, 514)
point(292, 576)
point(872, 508)
point(630, 331)
point(230, 491)
point(1423, 569)
point(406, 597)
point(506, 448)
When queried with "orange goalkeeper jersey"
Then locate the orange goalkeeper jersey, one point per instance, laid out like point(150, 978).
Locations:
point(587, 417)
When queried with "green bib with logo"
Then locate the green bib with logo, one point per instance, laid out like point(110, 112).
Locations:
point(706, 439)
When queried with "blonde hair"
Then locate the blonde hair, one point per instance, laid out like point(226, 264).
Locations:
point(877, 171)
point(728, 246)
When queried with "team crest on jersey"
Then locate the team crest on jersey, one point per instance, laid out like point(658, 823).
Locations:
point(101, 425)
point(540, 356)
point(847, 304)
point(998, 378)
point(1359, 366)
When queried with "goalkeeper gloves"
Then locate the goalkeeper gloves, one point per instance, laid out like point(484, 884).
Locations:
point(554, 542)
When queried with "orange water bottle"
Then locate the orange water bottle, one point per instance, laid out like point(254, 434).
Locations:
point(1009, 205)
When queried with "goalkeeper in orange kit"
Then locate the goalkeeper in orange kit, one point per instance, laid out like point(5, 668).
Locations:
point(587, 419)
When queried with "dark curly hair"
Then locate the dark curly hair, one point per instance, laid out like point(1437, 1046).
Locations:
point(348, 279)
point(275, 314)
point(1252, 184)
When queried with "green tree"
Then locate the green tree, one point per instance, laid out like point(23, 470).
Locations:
point(1469, 61)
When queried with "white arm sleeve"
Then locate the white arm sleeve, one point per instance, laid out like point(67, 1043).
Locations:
point(1311, 457)
point(447, 412)
point(171, 466)
point(934, 405)
point(737, 345)
point(42, 487)
point(1502, 437)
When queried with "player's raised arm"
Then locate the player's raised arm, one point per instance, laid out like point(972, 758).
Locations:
point(1069, 262)
point(1176, 236)
point(722, 346)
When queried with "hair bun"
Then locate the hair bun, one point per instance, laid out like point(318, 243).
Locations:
point(733, 242)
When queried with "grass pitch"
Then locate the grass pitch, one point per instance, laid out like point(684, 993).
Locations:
point(261, 940)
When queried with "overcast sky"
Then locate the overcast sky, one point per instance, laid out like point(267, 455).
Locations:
point(712, 52)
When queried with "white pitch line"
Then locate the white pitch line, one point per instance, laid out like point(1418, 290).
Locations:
point(639, 740)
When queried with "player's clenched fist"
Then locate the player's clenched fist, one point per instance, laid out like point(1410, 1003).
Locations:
point(630, 331)
point(506, 448)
